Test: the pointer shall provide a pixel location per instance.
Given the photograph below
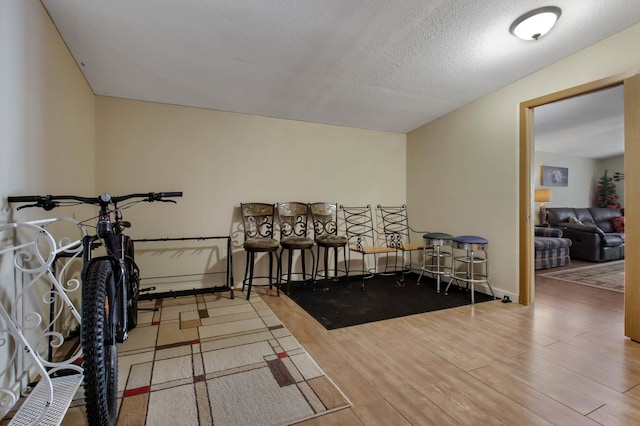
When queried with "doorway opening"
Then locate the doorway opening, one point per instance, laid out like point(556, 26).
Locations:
point(527, 179)
point(581, 138)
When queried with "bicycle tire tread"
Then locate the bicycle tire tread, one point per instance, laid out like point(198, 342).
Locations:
point(99, 399)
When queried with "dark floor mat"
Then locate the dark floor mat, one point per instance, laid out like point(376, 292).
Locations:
point(338, 304)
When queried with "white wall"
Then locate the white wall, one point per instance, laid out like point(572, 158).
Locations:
point(583, 176)
point(462, 169)
point(220, 159)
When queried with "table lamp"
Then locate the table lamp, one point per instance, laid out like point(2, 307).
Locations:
point(543, 196)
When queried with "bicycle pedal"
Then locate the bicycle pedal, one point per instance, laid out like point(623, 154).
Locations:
point(146, 290)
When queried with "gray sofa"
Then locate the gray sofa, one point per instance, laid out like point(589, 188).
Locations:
point(590, 231)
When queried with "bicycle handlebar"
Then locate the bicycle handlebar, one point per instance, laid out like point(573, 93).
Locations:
point(49, 202)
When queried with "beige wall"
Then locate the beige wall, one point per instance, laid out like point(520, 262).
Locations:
point(46, 107)
point(220, 159)
point(462, 169)
point(46, 121)
point(46, 114)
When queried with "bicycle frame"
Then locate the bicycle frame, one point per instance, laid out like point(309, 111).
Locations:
point(114, 244)
point(109, 294)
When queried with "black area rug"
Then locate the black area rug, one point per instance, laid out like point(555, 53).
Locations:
point(340, 304)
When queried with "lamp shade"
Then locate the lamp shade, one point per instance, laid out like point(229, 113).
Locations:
point(536, 23)
point(542, 195)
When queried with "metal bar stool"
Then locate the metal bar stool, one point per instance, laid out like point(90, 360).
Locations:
point(434, 243)
point(294, 228)
point(257, 219)
point(325, 228)
point(473, 246)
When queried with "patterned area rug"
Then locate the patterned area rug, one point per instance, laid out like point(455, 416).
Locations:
point(209, 359)
point(607, 276)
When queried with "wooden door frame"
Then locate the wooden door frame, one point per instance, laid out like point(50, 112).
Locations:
point(526, 223)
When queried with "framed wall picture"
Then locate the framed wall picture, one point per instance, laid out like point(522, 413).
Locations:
point(555, 176)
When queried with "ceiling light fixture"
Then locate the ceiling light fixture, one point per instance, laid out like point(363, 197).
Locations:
point(536, 23)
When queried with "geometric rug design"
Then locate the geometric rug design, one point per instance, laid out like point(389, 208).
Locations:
point(607, 275)
point(209, 359)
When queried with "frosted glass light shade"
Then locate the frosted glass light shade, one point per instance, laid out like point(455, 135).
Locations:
point(536, 23)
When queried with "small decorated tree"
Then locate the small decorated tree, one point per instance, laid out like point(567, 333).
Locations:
point(606, 192)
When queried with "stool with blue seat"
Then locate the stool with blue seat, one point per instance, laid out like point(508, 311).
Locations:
point(433, 250)
point(475, 257)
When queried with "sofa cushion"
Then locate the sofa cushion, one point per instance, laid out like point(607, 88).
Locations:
point(584, 215)
point(613, 240)
point(561, 214)
point(617, 223)
point(584, 227)
point(602, 217)
point(549, 243)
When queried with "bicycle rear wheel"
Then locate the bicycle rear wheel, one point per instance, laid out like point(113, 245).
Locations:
point(99, 345)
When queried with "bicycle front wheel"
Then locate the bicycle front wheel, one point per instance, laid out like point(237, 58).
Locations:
point(99, 345)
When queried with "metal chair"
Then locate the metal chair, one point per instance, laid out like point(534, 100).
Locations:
point(395, 226)
point(325, 228)
point(258, 221)
point(294, 227)
point(361, 237)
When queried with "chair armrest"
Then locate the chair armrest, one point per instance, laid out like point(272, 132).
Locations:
point(589, 228)
point(548, 232)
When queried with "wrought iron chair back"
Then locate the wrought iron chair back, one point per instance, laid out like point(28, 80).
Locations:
point(361, 236)
point(258, 220)
point(325, 218)
point(359, 227)
point(395, 226)
point(294, 219)
point(294, 228)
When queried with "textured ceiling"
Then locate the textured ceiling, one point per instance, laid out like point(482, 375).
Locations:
point(590, 125)
point(373, 64)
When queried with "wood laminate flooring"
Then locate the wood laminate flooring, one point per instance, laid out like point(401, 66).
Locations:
point(563, 361)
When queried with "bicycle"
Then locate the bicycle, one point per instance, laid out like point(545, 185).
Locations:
point(110, 292)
